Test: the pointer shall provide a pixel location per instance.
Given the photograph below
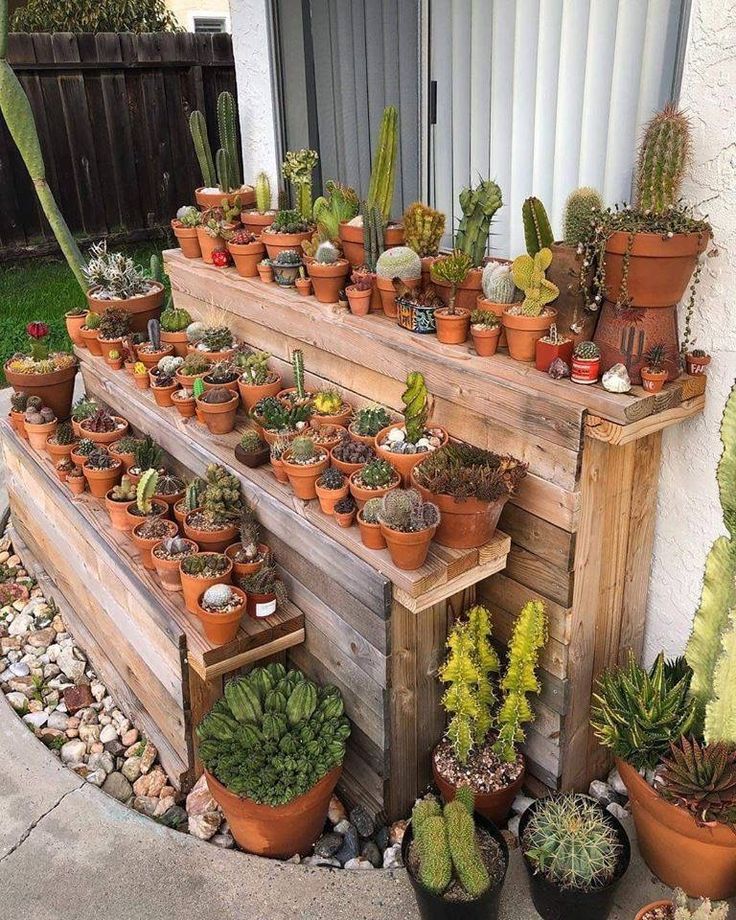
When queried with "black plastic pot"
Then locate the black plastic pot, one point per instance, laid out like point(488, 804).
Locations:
point(434, 907)
point(553, 903)
point(252, 458)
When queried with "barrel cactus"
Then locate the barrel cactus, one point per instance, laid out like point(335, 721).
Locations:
point(327, 253)
point(498, 283)
point(218, 596)
point(399, 262)
point(587, 351)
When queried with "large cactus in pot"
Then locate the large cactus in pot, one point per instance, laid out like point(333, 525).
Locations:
point(383, 173)
point(479, 206)
point(18, 116)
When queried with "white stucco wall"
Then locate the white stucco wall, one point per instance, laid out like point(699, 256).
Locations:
point(688, 512)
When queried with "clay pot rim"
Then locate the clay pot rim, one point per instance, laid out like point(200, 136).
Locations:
point(263, 809)
point(452, 504)
point(277, 379)
point(38, 427)
point(387, 284)
point(246, 249)
point(216, 408)
point(460, 314)
point(118, 504)
point(396, 478)
point(174, 561)
point(107, 470)
point(224, 617)
point(328, 269)
point(305, 466)
point(657, 246)
point(168, 523)
point(402, 536)
point(207, 552)
point(528, 323)
point(653, 905)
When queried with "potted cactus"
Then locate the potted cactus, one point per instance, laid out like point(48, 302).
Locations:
point(575, 853)
point(331, 487)
point(456, 860)
point(247, 251)
point(184, 225)
point(118, 500)
point(327, 271)
point(369, 525)
point(166, 557)
point(453, 322)
point(527, 322)
point(199, 571)
point(256, 220)
point(103, 427)
point(40, 423)
point(113, 330)
point(329, 408)
point(115, 281)
point(89, 331)
point(272, 787)
point(359, 294)
point(265, 590)
point(367, 422)
point(216, 407)
point(257, 380)
point(215, 343)
point(373, 480)
point(60, 444)
point(303, 284)
point(150, 532)
point(680, 909)
point(397, 262)
point(75, 480)
point(350, 456)
point(498, 291)
point(248, 554)
point(101, 472)
point(145, 507)
point(481, 744)
point(423, 229)
point(287, 232)
point(586, 363)
point(553, 346)
point(214, 524)
point(304, 463)
point(173, 329)
point(18, 405)
point(210, 233)
point(486, 329)
point(252, 450)
point(220, 610)
point(696, 361)
point(74, 320)
point(48, 376)
point(285, 266)
point(654, 370)
point(407, 525)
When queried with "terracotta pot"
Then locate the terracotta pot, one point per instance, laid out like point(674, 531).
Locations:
point(452, 329)
point(659, 268)
point(696, 365)
point(209, 244)
point(214, 357)
point(115, 363)
point(38, 435)
point(279, 470)
point(117, 511)
point(231, 385)
point(184, 405)
point(345, 518)
point(101, 481)
point(210, 541)
point(408, 550)
point(523, 332)
point(91, 339)
point(699, 858)
point(168, 569)
point(402, 463)
point(347, 469)
point(58, 451)
point(465, 524)
point(105, 437)
point(341, 419)
point(302, 478)
point(241, 569)
point(498, 309)
point(221, 628)
point(265, 272)
point(585, 370)
point(564, 273)
point(127, 459)
point(55, 390)
point(626, 336)
point(642, 915)
point(219, 417)
point(362, 495)
point(260, 606)
point(170, 499)
point(193, 588)
point(78, 459)
point(186, 381)
point(74, 323)
point(142, 309)
point(160, 509)
point(253, 393)
point(151, 358)
point(328, 498)
point(467, 293)
point(351, 239)
point(256, 222)
point(385, 288)
point(328, 279)
point(280, 242)
point(358, 301)
point(246, 257)
point(77, 484)
point(370, 534)
point(141, 381)
point(547, 352)
point(252, 459)
point(495, 806)
point(303, 286)
point(177, 340)
point(186, 237)
point(246, 195)
point(279, 831)
point(179, 513)
point(653, 381)
point(16, 420)
point(144, 545)
point(486, 341)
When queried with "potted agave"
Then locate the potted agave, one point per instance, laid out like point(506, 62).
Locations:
point(184, 225)
point(199, 571)
point(213, 525)
point(115, 281)
point(220, 610)
point(247, 251)
point(452, 322)
point(257, 380)
point(173, 330)
point(481, 744)
point(456, 860)
point(274, 796)
point(304, 463)
point(407, 525)
point(397, 262)
point(74, 320)
point(266, 592)
point(527, 322)
point(48, 375)
point(248, 554)
point(166, 556)
point(257, 219)
point(471, 487)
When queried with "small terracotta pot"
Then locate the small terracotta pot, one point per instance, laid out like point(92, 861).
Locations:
point(465, 524)
point(328, 279)
point(452, 329)
point(214, 357)
point(486, 341)
point(74, 323)
point(179, 512)
point(586, 370)
point(402, 463)
point(246, 257)
point(495, 806)
point(127, 459)
point(547, 352)
point(108, 346)
point(265, 272)
point(652, 381)
point(141, 309)
point(252, 393)
point(370, 534)
point(523, 332)
point(160, 509)
point(696, 365)
point(193, 588)
point(280, 242)
point(101, 481)
point(168, 569)
point(210, 541)
point(77, 484)
point(252, 459)
point(303, 477)
point(105, 437)
point(209, 244)
point(219, 417)
point(345, 518)
point(58, 451)
point(117, 511)
point(142, 381)
point(144, 545)
point(91, 340)
point(184, 405)
point(466, 294)
point(351, 239)
point(281, 831)
point(38, 435)
point(187, 240)
point(261, 606)
point(328, 498)
point(408, 550)
point(246, 195)
point(358, 301)
point(362, 495)
point(498, 309)
point(177, 340)
point(385, 287)
point(279, 471)
point(151, 358)
point(303, 286)
point(16, 420)
point(115, 363)
point(643, 913)
point(256, 221)
point(242, 569)
point(221, 628)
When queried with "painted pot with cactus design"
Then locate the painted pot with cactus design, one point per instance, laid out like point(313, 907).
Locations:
point(586, 363)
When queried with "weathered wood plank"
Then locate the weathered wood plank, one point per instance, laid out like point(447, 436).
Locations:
point(602, 430)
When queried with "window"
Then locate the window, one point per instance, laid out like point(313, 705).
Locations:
point(209, 25)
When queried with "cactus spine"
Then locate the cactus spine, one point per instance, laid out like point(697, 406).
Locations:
point(263, 192)
point(373, 242)
point(580, 210)
point(479, 206)
point(537, 231)
point(198, 129)
point(663, 158)
point(227, 127)
point(711, 649)
point(383, 172)
point(528, 274)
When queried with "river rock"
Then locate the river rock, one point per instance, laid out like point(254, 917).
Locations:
point(358, 863)
point(131, 769)
point(19, 701)
point(77, 698)
point(108, 733)
point(204, 826)
point(20, 625)
point(616, 379)
point(36, 719)
point(148, 757)
point(350, 848)
point(370, 851)
point(118, 787)
point(73, 751)
point(71, 665)
point(392, 857)
point(362, 821)
point(96, 777)
point(199, 800)
point(336, 812)
point(103, 761)
point(328, 844)
point(42, 638)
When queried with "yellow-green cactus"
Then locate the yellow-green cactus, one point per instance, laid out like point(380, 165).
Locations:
point(528, 274)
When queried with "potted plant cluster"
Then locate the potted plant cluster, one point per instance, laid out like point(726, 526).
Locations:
point(304, 463)
point(273, 748)
point(166, 556)
point(213, 525)
point(408, 525)
point(47, 375)
point(116, 281)
point(248, 554)
point(265, 590)
point(680, 909)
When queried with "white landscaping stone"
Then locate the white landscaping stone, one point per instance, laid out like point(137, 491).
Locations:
point(70, 665)
point(96, 777)
point(36, 719)
point(513, 824)
point(521, 803)
point(618, 811)
point(617, 784)
point(19, 701)
point(58, 720)
point(20, 625)
point(73, 751)
point(204, 826)
point(107, 734)
point(103, 761)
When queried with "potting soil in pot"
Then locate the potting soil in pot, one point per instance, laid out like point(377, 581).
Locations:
point(484, 772)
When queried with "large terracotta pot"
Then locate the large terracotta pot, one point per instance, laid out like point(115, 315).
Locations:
point(193, 588)
point(209, 244)
point(328, 279)
point(467, 293)
point(187, 239)
point(699, 858)
point(464, 524)
point(523, 333)
point(206, 200)
point(246, 257)
point(251, 394)
point(280, 831)
point(105, 437)
point(74, 322)
point(351, 239)
point(495, 806)
point(625, 336)
point(402, 463)
point(219, 417)
point(659, 268)
point(210, 541)
point(564, 272)
point(408, 550)
point(168, 569)
point(280, 242)
point(256, 222)
point(142, 309)
point(221, 628)
point(55, 390)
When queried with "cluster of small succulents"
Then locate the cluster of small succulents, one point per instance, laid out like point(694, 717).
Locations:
point(242, 238)
point(376, 474)
point(349, 451)
point(331, 479)
point(327, 402)
point(114, 324)
point(405, 511)
point(37, 413)
point(101, 421)
point(288, 257)
point(216, 338)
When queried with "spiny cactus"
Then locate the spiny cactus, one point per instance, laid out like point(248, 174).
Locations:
point(537, 231)
point(664, 155)
point(498, 283)
point(327, 402)
point(198, 130)
point(326, 253)
point(416, 406)
point(404, 510)
point(145, 490)
point(377, 474)
point(218, 596)
point(423, 229)
point(580, 209)
point(479, 206)
point(297, 169)
point(433, 848)
point(464, 850)
point(225, 172)
point(175, 319)
point(297, 364)
point(528, 274)
point(373, 235)
point(383, 171)
point(371, 510)
point(588, 351)
point(303, 450)
point(263, 192)
point(65, 433)
point(339, 203)
point(711, 649)
point(399, 262)
point(462, 673)
point(228, 130)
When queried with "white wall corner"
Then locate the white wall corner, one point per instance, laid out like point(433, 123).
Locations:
point(688, 511)
point(254, 74)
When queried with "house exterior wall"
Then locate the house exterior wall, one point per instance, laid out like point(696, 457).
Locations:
point(186, 10)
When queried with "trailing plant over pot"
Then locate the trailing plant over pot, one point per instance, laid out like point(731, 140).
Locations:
point(526, 323)
point(42, 373)
point(407, 524)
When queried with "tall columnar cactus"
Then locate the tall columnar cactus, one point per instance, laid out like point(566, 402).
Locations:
point(664, 155)
point(225, 171)
point(383, 171)
point(297, 365)
point(423, 228)
point(416, 406)
point(466, 858)
point(145, 490)
point(460, 700)
point(435, 862)
point(263, 192)
point(537, 231)
point(528, 274)
point(297, 168)
point(479, 205)
point(228, 131)
point(373, 241)
point(580, 209)
point(16, 111)
point(711, 649)
point(198, 129)
point(486, 658)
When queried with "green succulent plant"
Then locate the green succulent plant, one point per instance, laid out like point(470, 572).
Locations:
point(528, 274)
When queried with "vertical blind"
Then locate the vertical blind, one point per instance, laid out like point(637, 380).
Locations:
point(544, 96)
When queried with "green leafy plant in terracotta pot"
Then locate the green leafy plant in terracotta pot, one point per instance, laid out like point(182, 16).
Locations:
point(288, 231)
point(116, 281)
point(453, 322)
point(257, 379)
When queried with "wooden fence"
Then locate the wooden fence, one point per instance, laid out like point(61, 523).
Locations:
point(111, 111)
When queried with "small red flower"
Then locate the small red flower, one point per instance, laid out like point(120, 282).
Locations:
point(221, 258)
point(37, 330)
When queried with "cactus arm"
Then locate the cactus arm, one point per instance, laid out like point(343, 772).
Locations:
point(383, 174)
point(224, 170)
point(537, 230)
point(198, 130)
point(435, 863)
point(466, 858)
point(720, 713)
point(227, 126)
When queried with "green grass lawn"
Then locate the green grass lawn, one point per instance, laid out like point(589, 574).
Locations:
point(43, 290)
